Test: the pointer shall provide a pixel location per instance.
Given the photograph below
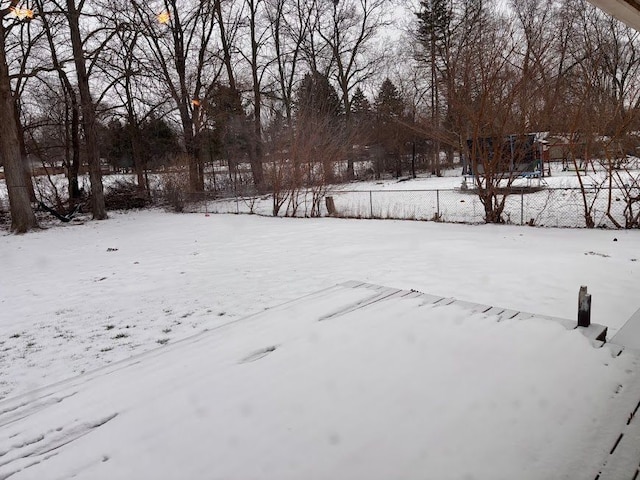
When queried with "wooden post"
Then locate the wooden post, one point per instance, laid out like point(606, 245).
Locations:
point(584, 307)
point(331, 206)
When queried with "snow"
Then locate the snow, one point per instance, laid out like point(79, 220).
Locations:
point(197, 360)
point(401, 388)
point(77, 297)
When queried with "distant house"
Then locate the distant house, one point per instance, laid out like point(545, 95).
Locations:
point(564, 149)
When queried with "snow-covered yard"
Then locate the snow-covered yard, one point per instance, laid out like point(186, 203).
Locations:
point(76, 297)
point(403, 390)
point(351, 382)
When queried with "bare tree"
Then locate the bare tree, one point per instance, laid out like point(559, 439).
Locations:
point(486, 93)
point(257, 39)
point(600, 93)
point(289, 30)
point(22, 216)
point(25, 35)
point(177, 38)
point(71, 117)
point(72, 11)
point(130, 89)
point(349, 29)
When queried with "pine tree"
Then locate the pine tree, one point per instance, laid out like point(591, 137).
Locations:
point(434, 19)
point(388, 103)
point(362, 118)
point(434, 23)
point(390, 133)
point(359, 103)
point(317, 98)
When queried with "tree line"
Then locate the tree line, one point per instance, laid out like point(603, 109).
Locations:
point(300, 90)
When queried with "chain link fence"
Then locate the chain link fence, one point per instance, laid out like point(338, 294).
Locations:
point(548, 207)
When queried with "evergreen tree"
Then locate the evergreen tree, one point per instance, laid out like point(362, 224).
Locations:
point(390, 133)
point(434, 19)
point(317, 98)
point(361, 117)
point(229, 123)
point(359, 103)
point(160, 141)
point(434, 24)
point(388, 102)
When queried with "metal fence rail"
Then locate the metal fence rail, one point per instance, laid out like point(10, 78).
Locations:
point(549, 207)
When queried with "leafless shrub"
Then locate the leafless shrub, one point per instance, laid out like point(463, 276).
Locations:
point(318, 193)
point(4, 214)
point(536, 221)
point(277, 174)
point(250, 201)
point(125, 195)
point(626, 185)
point(48, 192)
point(174, 188)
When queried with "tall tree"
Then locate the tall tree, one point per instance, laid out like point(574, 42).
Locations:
point(178, 37)
point(390, 131)
point(257, 38)
point(69, 94)
point(317, 98)
point(289, 30)
point(361, 114)
point(318, 134)
point(434, 20)
point(349, 28)
point(73, 13)
point(22, 216)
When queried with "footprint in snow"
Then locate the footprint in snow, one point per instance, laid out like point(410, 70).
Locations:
point(258, 354)
point(604, 255)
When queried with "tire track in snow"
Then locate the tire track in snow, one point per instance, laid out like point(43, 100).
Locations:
point(27, 452)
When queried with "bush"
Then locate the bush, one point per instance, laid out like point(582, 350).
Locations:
point(173, 190)
point(125, 195)
point(4, 213)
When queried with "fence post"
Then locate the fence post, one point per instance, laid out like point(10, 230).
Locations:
point(584, 307)
point(371, 202)
point(438, 205)
point(331, 206)
point(521, 207)
point(237, 205)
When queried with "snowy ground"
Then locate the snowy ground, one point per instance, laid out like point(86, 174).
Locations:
point(77, 297)
point(349, 383)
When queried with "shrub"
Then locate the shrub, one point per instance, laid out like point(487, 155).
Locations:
point(173, 190)
point(125, 195)
point(4, 214)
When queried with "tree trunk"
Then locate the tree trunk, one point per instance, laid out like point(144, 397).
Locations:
point(196, 174)
point(133, 128)
point(225, 46)
point(22, 216)
point(256, 145)
point(137, 160)
point(136, 153)
point(74, 169)
point(88, 115)
point(28, 182)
